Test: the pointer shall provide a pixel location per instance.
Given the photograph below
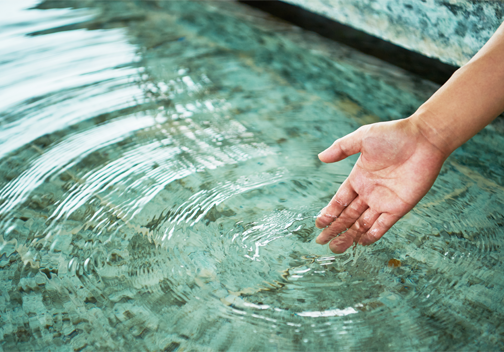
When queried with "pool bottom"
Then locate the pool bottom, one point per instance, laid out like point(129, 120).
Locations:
point(184, 218)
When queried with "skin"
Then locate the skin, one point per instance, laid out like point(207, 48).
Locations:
point(400, 160)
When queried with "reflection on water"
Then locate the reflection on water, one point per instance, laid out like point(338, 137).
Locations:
point(159, 183)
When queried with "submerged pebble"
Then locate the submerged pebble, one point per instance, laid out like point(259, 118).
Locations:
point(394, 263)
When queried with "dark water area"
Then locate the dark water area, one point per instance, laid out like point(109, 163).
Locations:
point(428, 68)
point(159, 183)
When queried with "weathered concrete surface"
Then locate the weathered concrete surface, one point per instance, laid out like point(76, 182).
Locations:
point(451, 31)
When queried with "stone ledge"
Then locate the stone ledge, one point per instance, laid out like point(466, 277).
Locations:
point(451, 31)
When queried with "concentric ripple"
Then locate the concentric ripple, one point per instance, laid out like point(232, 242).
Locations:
point(159, 184)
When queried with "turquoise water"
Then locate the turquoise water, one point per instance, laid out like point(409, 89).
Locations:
point(159, 184)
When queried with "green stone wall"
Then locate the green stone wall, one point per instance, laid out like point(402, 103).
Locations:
point(451, 31)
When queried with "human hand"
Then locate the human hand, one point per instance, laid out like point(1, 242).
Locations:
point(396, 168)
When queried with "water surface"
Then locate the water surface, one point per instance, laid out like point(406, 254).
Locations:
point(159, 184)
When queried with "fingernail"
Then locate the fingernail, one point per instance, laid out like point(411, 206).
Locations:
point(322, 152)
point(327, 149)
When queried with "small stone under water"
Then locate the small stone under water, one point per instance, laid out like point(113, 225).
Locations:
point(394, 263)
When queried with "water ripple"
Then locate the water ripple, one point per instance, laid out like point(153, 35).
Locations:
point(159, 185)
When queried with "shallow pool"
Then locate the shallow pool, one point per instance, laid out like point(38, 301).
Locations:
point(159, 184)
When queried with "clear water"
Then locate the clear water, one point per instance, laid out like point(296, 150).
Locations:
point(159, 183)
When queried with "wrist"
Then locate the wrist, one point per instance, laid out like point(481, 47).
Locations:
point(430, 128)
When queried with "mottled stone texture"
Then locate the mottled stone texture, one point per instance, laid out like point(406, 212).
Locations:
point(452, 31)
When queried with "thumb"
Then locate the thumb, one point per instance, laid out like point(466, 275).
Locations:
point(344, 147)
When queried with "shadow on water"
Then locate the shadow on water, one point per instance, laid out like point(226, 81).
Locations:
point(159, 183)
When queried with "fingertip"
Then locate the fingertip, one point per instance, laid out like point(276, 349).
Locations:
point(343, 147)
point(327, 149)
point(341, 244)
point(319, 222)
point(326, 236)
point(323, 238)
point(323, 156)
point(323, 220)
point(370, 237)
point(379, 228)
point(330, 154)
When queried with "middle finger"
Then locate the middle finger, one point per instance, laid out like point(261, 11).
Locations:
point(346, 219)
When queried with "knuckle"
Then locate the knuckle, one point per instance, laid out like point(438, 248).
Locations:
point(353, 213)
point(326, 216)
point(336, 202)
point(363, 225)
point(346, 218)
point(381, 223)
point(332, 234)
point(373, 235)
point(344, 148)
point(355, 209)
point(354, 234)
point(369, 218)
point(336, 228)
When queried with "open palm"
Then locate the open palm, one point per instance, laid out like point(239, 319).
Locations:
point(396, 168)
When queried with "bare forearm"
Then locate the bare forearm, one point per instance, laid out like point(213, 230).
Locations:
point(470, 100)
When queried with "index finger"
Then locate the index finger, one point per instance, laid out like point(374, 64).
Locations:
point(343, 197)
